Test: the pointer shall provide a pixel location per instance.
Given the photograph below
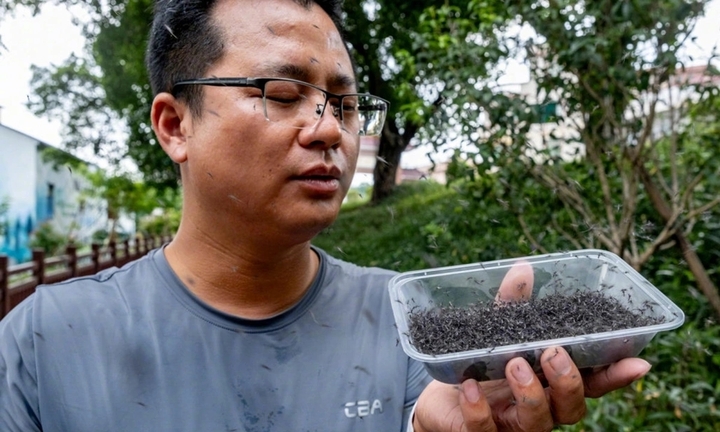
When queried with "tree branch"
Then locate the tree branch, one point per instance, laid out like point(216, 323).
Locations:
point(596, 160)
point(566, 235)
point(665, 235)
point(687, 196)
point(629, 205)
point(700, 210)
point(529, 235)
point(672, 154)
point(571, 198)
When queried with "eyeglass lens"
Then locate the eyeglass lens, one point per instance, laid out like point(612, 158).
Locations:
point(301, 106)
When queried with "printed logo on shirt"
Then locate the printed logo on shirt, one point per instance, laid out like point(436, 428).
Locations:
point(362, 408)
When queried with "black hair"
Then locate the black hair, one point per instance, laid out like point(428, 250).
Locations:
point(184, 41)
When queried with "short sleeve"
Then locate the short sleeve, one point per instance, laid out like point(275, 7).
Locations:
point(19, 409)
point(417, 380)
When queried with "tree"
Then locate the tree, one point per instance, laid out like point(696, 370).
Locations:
point(122, 196)
point(614, 123)
point(382, 38)
point(103, 96)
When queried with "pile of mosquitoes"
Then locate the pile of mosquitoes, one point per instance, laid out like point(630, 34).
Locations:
point(452, 329)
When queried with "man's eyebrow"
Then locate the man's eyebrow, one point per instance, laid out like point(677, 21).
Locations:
point(290, 70)
point(283, 70)
point(342, 81)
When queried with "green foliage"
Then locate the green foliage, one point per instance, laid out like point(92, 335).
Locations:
point(425, 224)
point(103, 96)
point(47, 238)
point(163, 224)
point(119, 51)
point(165, 220)
point(384, 48)
point(671, 274)
point(632, 167)
point(100, 236)
point(72, 92)
point(358, 195)
point(122, 195)
point(393, 226)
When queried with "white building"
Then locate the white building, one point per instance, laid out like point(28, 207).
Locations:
point(38, 192)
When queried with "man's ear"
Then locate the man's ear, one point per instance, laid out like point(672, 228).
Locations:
point(172, 122)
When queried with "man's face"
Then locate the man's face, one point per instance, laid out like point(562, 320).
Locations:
point(245, 172)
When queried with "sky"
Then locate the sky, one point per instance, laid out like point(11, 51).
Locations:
point(46, 39)
point(50, 37)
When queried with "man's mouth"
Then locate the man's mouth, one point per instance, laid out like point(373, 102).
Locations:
point(322, 179)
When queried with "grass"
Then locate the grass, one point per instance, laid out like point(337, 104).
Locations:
point(390, 235)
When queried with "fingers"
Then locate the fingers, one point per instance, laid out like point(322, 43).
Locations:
point(476, 413)
point(615, 376)
point(517, 285)
point(455, 408)
point(531, 410)
point(566, 393)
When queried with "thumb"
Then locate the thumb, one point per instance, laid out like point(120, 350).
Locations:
point(615, 376)
point(476, 412)
point(517, 285)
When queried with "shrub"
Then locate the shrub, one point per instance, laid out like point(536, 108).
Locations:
point(47, 238)
point(164, 222)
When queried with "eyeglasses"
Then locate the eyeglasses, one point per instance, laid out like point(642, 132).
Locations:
point(300, 105)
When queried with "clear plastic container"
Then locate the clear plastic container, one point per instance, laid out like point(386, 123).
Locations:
point(566, 272)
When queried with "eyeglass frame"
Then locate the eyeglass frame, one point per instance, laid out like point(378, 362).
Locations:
point(260, 82)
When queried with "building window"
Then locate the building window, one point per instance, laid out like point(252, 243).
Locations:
point(50, 200)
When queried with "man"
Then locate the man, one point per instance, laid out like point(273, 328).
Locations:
point(239, 324)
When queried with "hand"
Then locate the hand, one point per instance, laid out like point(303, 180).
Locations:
point(520, 402)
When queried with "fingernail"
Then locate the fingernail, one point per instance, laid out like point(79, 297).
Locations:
point(470, 388)
point(560, 362)
point(522, 372)
point(644, 368)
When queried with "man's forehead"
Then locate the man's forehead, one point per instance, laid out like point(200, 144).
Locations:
point(281, 38)
point(271, 14)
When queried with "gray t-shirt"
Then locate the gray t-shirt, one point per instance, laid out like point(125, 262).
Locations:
point(132, 349)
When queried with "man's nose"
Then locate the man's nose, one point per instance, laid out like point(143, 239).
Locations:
point(327, 130)
point(326, 109)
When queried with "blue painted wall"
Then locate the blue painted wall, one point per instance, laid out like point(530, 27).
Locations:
point(17, 186)
point(16, 238)
point(25, 181)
